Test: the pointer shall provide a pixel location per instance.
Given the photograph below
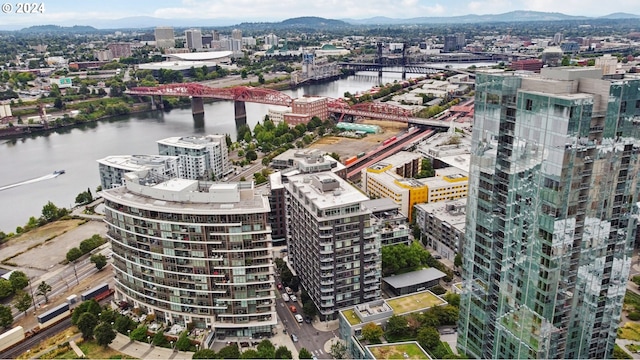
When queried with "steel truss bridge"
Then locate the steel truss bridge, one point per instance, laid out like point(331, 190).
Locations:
point(242, 94)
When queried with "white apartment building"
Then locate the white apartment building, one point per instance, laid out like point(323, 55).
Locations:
point(205, 157)
point(113, 168)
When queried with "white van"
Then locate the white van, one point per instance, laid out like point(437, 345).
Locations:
point(285, 297)
point(299, 318)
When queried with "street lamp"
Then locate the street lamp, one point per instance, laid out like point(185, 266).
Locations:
point(129, 334)
point(171, 344)
point(149, 339)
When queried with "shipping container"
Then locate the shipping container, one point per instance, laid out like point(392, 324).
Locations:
point(361, 155)
point(350, 160)
point(11, 337)
point(98, 290)
point(389, 140)
point(46, 318)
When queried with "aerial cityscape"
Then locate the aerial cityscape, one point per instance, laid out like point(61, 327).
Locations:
point(266, 180)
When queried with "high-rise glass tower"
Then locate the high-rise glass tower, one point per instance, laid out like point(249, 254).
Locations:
point(550, 222)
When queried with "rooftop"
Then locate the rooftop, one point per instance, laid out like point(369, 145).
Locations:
point(452, 212)
point(414, 277)
point(135, 162)
point(144, 190)
point(414, 302)
point(192, 142)
point(342, 193)
point(202, 55)
point(406, 350)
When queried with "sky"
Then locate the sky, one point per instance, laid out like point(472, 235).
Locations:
point(65, 12)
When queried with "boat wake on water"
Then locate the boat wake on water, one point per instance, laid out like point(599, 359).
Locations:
point(54, 175)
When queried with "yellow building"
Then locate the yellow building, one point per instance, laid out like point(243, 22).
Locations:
point(393, 179)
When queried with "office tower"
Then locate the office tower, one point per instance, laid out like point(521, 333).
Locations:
point(113, 168)
point(164, 37)
point(549, 227)
point(194, 39)
point(450, 43)
point(205, 157)
point(216, 35)
point(557, 38)
point(193, 252)
point(236, 34)
point(333, 247)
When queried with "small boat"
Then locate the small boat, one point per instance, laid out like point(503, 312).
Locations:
point(58, 172)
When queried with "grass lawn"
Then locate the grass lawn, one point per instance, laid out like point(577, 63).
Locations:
point(630, 331)
point(397, 351)
point(414, 302)
point(49, 342)
point(351, 317)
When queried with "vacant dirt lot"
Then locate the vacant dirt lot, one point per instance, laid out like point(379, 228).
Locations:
point(347, 147)
point(40, 250)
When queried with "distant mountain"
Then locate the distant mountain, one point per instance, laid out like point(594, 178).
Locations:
point(513, 16)
point(313, 21)
point(55, 29)
point(620, 15)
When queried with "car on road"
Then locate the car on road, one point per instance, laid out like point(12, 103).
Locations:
point(437, 257)
point(307, 320)
point(293, 298)
point(293, 309)
point(294, 338)
point(299, 318)
point(285, 297)
point(279, 286)
point(456, 272)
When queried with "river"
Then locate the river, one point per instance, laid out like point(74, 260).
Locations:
point(27, 182)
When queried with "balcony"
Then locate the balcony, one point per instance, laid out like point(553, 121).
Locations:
point(326, 267)
point(327, 283)
point(326, 290)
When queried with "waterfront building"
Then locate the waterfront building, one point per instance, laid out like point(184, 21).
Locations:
point(164, 37)
point(113, 168)
point(550, 215)
point(204, 157)
point(194, 252)
point(304, 109)
point(333, 247)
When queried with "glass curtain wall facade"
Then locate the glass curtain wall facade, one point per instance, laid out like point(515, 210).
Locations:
point(549, 227)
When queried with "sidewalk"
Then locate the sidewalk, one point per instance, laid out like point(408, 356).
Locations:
point(140, 350)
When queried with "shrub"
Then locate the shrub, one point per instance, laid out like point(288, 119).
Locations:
point(634, 316)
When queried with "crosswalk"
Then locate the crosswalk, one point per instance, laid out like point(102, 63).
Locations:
point(317, 352)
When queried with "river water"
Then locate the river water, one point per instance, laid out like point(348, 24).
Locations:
point(27, 164)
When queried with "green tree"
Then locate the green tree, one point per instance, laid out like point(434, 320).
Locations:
point(249, 354)
point(58, 103)
point(457, 261)
point(335, 156)
point(90, 306)
point(123, 324)
point(50, 212)
point(86, 323)
point(309, 308)
point(183, 343)
point(396, 327)
point(22, 301)
point(304, 354)
point(229, 352)
point(6, 289)
point(19, 280)
point(261, 79)
point(428, 338)
point(266, 350)
point(204, 354)
point(43, 290)
point(251, 155)
point(6, 318)
point(74, 254)
point(104, 334)
point(243, 74)
point(159, 339)
point(139, 334)
point(283, 353)
point(453, 299)
point(100, 261)
point(372, 333)
point(338, 350)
